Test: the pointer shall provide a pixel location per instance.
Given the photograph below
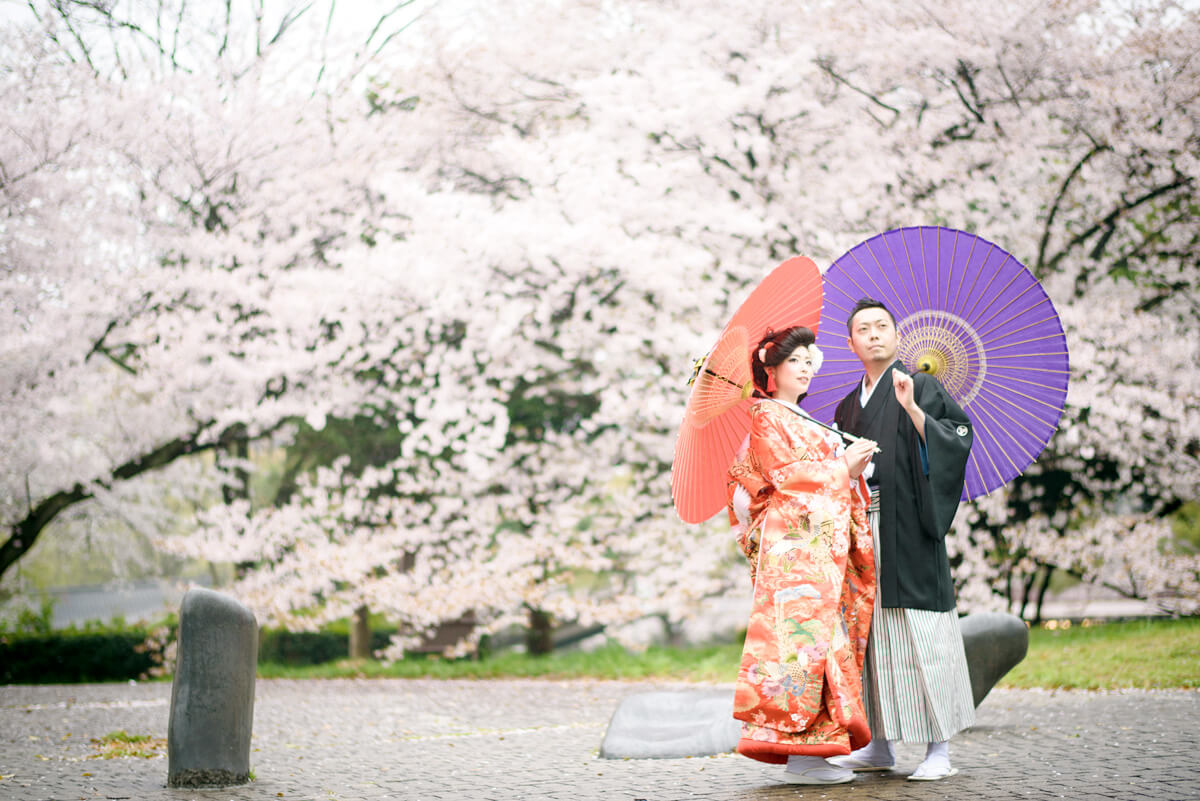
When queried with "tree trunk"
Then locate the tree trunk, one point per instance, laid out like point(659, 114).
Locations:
point(1041, 596)
point(1008, 589)
point(540, 637)
point(1026, 592)
point(240, 448)
point(360, 634)
point(673, 633)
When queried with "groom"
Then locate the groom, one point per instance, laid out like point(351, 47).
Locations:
point(915, 682)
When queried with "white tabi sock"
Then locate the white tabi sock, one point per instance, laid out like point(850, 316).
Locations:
point(877, 752)
point(937, 761)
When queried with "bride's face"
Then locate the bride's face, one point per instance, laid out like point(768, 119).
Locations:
point(793, 374)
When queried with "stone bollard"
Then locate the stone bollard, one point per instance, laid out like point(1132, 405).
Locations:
point(212, 695)
point(995, 642)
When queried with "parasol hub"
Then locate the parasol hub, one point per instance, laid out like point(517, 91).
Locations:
point(747, 389)
point(932, 362)
point(947, 347)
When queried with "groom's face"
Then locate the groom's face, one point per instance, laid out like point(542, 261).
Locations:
point(873, 336)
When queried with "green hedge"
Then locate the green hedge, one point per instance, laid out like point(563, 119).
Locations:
point(63, 657)
point(310, 647)
point(69, 657)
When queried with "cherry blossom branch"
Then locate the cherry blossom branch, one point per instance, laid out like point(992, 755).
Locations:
point(24, 533)
point(826, 65)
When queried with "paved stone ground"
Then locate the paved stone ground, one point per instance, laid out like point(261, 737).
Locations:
point(418, 739)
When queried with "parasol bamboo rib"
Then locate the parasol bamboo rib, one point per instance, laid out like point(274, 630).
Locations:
point(1000, 404)
point(863, 290)
point(1011, 303)
point(911, 286)
point(987, 336)
point(940, 281)
point(1003, 363)
point(893, 293)
point(992, 296)
point(964, 273)
point(976, 293)
point(1027, 397)
point(1001, 345)
point(930, 291)
point(979, 293)
point(1019, 380)
point(988, 451)
point(998, 329)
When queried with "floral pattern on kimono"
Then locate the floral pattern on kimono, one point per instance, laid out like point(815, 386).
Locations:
point(799, 687)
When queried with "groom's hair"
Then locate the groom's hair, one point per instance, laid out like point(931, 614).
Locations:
point(864, 304)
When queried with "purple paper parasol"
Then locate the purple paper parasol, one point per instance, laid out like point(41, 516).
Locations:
point(971, 315)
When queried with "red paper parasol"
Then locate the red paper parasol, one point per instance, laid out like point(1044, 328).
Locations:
point(717, 417)
point(971, 315)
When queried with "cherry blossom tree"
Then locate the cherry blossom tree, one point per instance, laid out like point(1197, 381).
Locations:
point(252, 296)
point(152, 205)
point(942, 136)
point(507, 241)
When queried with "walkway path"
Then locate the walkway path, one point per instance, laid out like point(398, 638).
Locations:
point(467, 740)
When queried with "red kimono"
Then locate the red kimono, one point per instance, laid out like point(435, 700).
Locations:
point(799, 688)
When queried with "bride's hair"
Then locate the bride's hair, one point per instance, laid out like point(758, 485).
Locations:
point(774, 348)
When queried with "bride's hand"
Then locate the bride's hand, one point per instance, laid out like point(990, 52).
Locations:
point(858, 456)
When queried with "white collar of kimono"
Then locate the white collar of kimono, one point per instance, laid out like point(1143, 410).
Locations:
point(864, 392)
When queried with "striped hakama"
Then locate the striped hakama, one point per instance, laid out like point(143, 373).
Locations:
point(916, 687)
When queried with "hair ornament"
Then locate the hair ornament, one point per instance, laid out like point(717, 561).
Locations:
point(818, 358)
point(762, 352)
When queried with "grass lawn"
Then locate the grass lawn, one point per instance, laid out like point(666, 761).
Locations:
point(1141, 654)
point(716, 663)
point(1146, 654)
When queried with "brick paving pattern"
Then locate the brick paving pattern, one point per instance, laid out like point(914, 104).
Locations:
point(532, 739)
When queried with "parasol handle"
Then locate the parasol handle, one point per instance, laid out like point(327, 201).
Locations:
point(845, 435)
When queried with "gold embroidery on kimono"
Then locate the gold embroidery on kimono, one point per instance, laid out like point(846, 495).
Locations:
point(799, 687)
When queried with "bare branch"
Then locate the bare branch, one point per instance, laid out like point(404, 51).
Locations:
point(113, 23)
point(964, 72)
point(1110, 220)
point(1041, 267)
point(228, 24)
point(176, 35)
point(61, 7)
point(1012, 92)
point(258, 20)
point(287, 22)
point(380, 22)
point(826, 66)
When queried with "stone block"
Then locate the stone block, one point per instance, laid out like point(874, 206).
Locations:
point(672, 724)
point(995, 642)
point(212, 695)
